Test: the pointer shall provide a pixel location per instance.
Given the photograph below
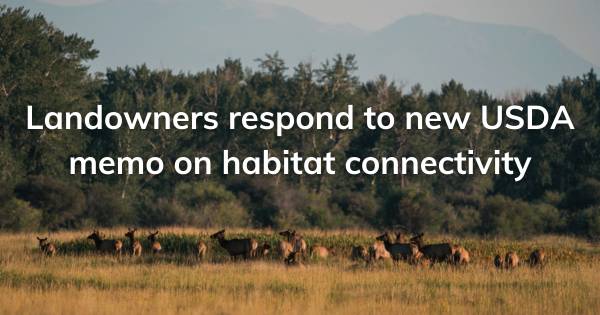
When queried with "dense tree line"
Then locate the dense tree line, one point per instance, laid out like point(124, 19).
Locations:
point(42, 66)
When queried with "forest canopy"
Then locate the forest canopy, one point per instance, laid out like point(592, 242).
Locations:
point(42, 67)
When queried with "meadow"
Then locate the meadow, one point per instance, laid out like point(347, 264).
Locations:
point(79, 281)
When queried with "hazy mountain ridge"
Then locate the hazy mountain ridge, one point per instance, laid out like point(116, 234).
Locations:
point(193, 35)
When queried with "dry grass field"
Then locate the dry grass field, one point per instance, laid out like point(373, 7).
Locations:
point(79, 281)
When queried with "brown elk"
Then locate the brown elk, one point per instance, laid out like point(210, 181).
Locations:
point(377, 251)
point(201, 249)
point(46, 247)
point(264, 250)
point(537, 258)
point(154, 244)
point(103, 245)
point(498, 261)
point(136, 246)
point(296, 240)
point(359, 253)
point(460, 255)
point(511, 260)
point(244, 247)
point(435, 252)
point(284, 248)
point(397, 250)
point(417, 257)
point(318, 251)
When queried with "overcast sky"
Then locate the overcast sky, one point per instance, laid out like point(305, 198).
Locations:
point(576, 23)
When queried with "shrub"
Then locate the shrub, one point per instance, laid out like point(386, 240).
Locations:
point(61, 203)
point(413, 208)
point(584, 195)
point(587, 222)
point(18, 215)
point(360, 205)
point(461, 220)
point(502, 215)
point(208, 204)
point(106, 208)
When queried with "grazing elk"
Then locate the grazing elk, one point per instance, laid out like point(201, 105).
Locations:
point(46, 247)
point(107, 246)
point(537, 258)
point(396, 250)
point(201, 249)
point(136, 246)
point(435, 252)
point(511, 260)
point(359, 253)
point(498, 261)
point(318, 251)
point(154, 244)
point(244, 247)
point(296, 240)
point(460, 255)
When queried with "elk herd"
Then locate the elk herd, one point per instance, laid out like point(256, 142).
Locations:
point(292, 249)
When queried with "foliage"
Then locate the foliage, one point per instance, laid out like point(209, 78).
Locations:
point(44, 67)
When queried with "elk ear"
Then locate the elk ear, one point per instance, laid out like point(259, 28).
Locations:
point(38, 238)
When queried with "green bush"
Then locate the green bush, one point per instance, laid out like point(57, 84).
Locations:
point(584, 195)
point(18, 215)
point(106, 208)
point(412, 207)
point(501, 215)
point(61, 203)
point(587, 222)
point(208, 204)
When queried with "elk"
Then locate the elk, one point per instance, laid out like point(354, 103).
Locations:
point(511, 260)
point(296, 240)
point(417, 257)
point(284, 248)
point(461, 255)
point(397, 250)
point(264, 250)
point(244, 247)
point(293, 259)
point(46, 247)
point(155, 245)
point(435, 252)
point(377, 251)
point(318, 251)
point(136, 246)
point(498, 261)
point(201, 249)
point(537, 258)
point(102, 245)
point(359, 253)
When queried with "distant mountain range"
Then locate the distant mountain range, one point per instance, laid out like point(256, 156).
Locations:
point(191, 35)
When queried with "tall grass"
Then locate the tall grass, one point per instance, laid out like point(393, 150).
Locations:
point(79, 281)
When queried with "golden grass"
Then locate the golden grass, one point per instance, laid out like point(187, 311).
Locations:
point(86, 283)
